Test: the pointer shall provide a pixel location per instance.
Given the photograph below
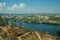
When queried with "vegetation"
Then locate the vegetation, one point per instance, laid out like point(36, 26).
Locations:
point(1, 22)
point(34, 19)
point(58, 33)
point(37, 19)
point(13, 33)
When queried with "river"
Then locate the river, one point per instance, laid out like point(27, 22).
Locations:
point(38, 27)
point(42, 27)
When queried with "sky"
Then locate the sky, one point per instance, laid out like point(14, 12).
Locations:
point(29, 6)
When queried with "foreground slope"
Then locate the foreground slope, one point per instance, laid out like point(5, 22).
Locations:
point(15, 33)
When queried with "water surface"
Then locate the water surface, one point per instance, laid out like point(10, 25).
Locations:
point(42, 27)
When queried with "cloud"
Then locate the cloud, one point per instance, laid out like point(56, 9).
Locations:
point(22, 5)
point(2, 5)
point(32, 9)
point(29, 9)
point(16, 7)
point(0, 9)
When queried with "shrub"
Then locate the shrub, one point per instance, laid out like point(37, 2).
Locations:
point(58, 33)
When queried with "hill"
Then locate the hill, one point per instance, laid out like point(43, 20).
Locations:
point(15, 33)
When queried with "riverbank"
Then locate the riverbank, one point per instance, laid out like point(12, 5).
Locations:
point(45, 23)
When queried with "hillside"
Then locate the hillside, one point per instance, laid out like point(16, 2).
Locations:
point(14, 33)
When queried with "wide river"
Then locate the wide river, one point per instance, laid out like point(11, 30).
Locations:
point(38, 27)
point(41, 27)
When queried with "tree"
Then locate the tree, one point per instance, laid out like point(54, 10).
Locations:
point(58, 33)
point(1, 22)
